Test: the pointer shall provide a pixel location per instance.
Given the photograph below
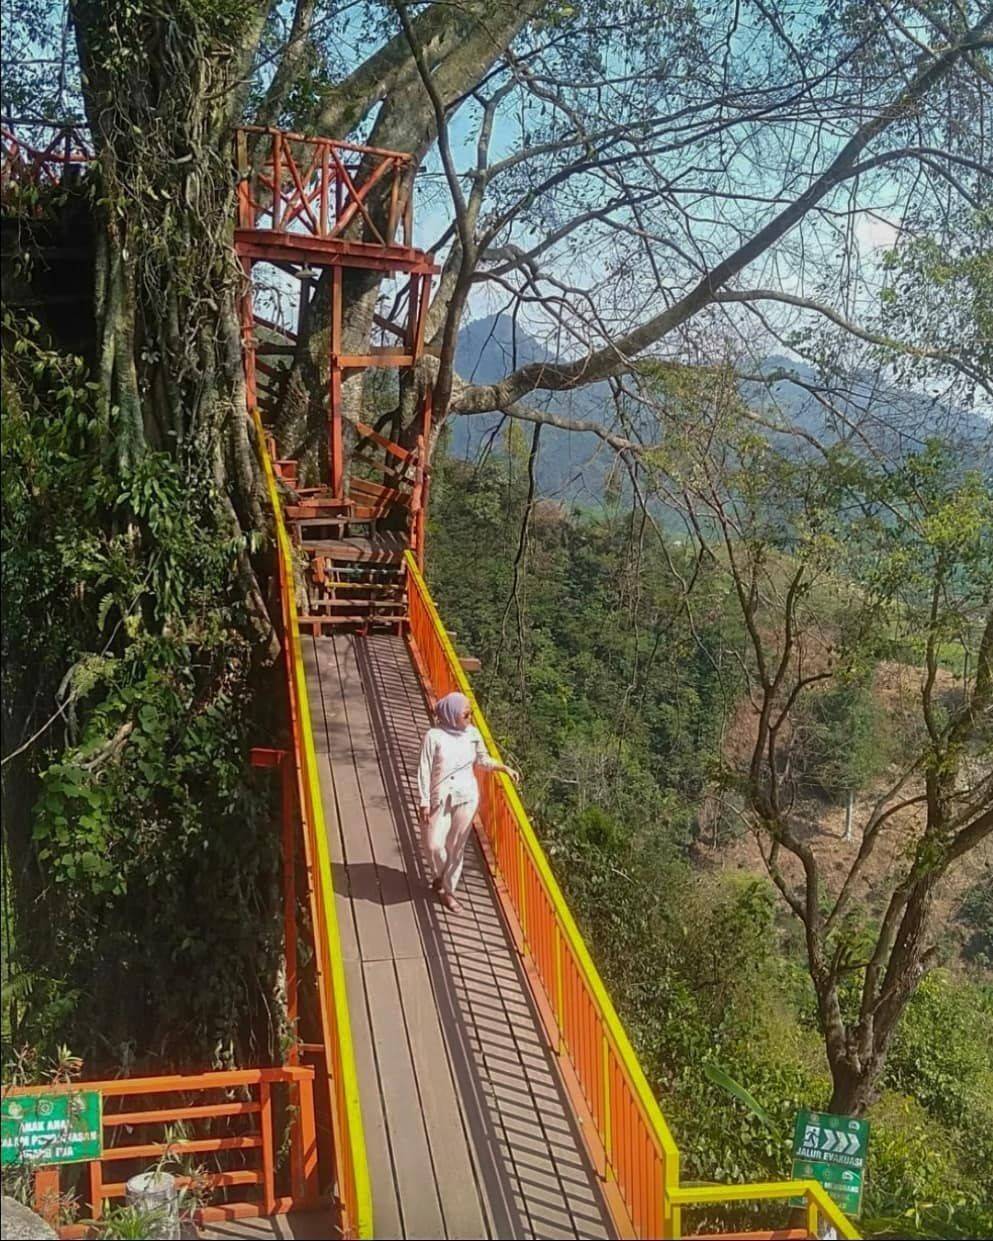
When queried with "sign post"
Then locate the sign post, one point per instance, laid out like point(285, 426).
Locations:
point(831, 1150)
point(65, 1126)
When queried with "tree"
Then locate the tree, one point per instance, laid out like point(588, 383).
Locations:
point(845, 743)
point(593, 157)
point(827, 117)
point(836, 564)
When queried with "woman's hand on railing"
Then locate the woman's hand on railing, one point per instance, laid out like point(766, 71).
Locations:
point(514, 774)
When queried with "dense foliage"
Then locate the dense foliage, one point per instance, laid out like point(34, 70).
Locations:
point(120, 612)
point(136, 849)
point(618, 715)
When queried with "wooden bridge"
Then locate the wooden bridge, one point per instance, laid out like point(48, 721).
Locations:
point(453, 1075)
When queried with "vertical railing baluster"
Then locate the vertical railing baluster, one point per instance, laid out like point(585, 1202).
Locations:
point(96, 1188)
point(268, 1153)
point(559, 993)
point(325, 187)
point(46, 1194)
point(391, 226)
point(277, 179)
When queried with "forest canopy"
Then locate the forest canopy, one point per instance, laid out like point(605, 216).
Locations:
point(765, 647)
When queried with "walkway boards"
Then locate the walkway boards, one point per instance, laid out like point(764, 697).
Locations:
point(467, 1128)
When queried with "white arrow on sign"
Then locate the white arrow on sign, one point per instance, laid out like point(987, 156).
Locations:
point(829, 1140)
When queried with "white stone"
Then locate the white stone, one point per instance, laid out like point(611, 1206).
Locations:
point(21, 1224)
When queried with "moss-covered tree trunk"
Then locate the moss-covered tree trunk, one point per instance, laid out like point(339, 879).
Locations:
point(165, 85)
point(142, 858)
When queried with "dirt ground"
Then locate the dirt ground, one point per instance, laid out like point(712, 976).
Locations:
point(822, 824)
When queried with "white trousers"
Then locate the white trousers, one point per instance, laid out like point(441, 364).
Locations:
point(445, 837)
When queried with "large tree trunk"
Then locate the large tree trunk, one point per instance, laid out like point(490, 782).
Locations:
point(460, 50)
point(164, 89)
point(852, 1094)
point(163, 94)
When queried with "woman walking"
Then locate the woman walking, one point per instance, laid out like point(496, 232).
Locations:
point(448, 791)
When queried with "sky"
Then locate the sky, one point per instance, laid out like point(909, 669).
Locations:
point(873, 234)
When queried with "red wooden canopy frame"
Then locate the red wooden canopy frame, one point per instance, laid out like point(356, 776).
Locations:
point(307, 203)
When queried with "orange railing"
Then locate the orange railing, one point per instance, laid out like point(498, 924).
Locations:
point(226, 1117)
point(52, 153)
point(635, 1147)
point(339, 1073)
point(319, 187)
point(631, 1142)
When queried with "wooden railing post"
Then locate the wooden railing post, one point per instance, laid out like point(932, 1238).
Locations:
point(268, 1151)
point(96, 1188)
point(277, 179)
point(46, 1194)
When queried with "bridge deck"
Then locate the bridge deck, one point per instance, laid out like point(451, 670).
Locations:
point(467, 1127)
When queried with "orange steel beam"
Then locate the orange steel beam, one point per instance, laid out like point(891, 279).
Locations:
point(356, 147)
point(336, 465)
point(275, 247)
point(222, 1079)
point(248, 333)
point(359, 361)
point(192, 1146)
point(263, 756)
point(165, 1115)
point(369, 433)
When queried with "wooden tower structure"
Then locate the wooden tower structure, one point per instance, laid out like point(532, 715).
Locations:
point(311, 206)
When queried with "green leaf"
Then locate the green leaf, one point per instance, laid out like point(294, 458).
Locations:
point(737, 1091)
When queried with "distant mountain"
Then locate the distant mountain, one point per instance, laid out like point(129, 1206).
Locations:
point(894, 420)
point(569, 465)
point(574, 466)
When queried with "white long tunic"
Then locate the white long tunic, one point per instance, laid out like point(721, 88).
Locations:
point(446, 767)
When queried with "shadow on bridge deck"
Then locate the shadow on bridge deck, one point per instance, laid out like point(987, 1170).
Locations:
point(468, 1130)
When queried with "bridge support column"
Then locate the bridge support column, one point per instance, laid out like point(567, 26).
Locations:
point(248, 337)
point(335, 450)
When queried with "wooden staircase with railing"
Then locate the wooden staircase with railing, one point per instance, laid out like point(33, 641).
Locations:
point(355, 579)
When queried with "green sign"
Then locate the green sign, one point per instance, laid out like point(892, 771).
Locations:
point(831, 1150)
point(62, 1127)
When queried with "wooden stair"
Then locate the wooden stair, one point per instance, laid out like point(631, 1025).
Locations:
point(355, 544)
point(376, 549)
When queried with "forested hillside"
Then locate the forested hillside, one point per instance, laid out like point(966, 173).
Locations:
point(738, 257)
point(621, 707)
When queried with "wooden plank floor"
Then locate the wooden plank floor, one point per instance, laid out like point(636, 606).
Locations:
point(302, 1226)
point(468, 1130)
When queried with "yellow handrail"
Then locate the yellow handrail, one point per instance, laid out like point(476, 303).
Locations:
point(817, 1200)
point(351, 1163)
point(625, 1157)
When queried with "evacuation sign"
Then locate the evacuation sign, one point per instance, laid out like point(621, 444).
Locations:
point(831, 1150)
point(62, 1127)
